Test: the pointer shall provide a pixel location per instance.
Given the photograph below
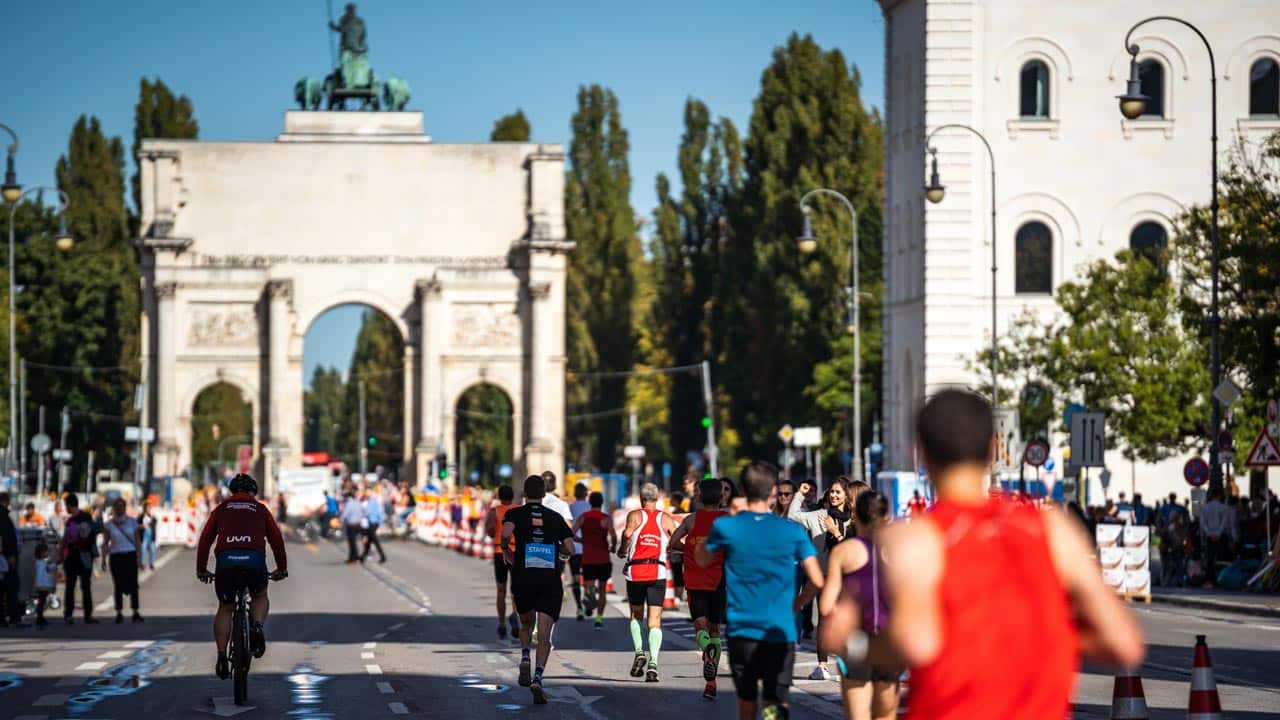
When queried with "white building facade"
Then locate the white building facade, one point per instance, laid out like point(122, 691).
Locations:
point(1075, 181)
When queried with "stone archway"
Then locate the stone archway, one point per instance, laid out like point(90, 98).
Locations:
point(462, 246)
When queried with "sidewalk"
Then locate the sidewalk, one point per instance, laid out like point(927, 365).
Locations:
point(1247, 603)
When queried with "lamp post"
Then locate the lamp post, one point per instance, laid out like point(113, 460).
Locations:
point(1133, 103)
point(934, 192)
point(63, 241)
point(808, 244)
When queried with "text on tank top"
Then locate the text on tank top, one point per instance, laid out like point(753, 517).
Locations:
point(595, 537)
point(647, 553)
point(697, 577)
point(1009, 645)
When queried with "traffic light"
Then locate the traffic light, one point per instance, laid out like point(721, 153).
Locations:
point(373, 441)
point(442, 466)
point(706, 421)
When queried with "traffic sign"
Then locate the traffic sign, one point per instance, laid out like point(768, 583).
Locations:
point(1225, 441)
point(1088, 439)
point(62, 455)
point(1196, 472)
point(131, 434)
point(633, 452)
point(1273, 410)
point(40, 443)
point(1008, 439)
point(1264, 453)
point(1226, 457)
point(1226, 392)
point(786, 433)
point(1070, 410)
point(1036, 453)
point(808, 436)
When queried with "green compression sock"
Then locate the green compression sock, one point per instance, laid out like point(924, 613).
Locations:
point(635, 636)
point(716, 649)
point(655, 644)
point(704, 639)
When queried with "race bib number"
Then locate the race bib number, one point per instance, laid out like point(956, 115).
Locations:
point(540, 556)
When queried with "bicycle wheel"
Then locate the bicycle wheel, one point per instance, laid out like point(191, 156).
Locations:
point(241, 676)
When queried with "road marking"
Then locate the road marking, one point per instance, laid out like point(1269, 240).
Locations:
point(373, 669)
point(91, 666)
point(50, 700)
point(370, 645)
point(379, 636)
point(161, 561)
point(385, 688)
point(140, 643)
point(312, 548)
point(397, 626)
point(366, 656)
point(398, 708)
point(113, 655)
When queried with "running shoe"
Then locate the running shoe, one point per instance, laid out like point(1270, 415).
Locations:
point(539, 696)
point(709, 691)
point(525, 672)
point(582, 614)
point(651, 675)
point(773, 712)
point(709, 664)
point(502, 631)
point(514, 621)
point(820, 673)
point(637, 664)
point(222, 668)
point(599, 623)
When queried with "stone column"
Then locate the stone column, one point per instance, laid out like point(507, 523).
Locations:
point(430, 390)
point(544, 449)
point(279, 296)
point(165, 455)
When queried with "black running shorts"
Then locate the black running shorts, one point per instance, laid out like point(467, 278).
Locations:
point(575, 565)
point(677, 570)
point(651, 592)
point(237, 569)
point(499, 569)
point(709, 604)
point(538, 595)
point(754, 662)
point(597, 573)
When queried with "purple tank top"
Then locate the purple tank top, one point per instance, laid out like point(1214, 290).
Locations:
point(867, 586)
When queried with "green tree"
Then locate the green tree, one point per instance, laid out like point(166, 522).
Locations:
point(485, 425)
point(378, 361)
point(602, 270)
point(158, 114)
point(784, 314)
point(511, 128)
point(323, 405)
point(1249, 218)
point(224, 407)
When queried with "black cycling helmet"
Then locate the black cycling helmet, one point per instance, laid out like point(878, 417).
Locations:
point(244, 483)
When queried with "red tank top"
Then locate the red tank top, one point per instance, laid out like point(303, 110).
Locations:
point(697, 577)
point(1009, 646)
point(501, 512)
point(647, 554)
point(595, 537)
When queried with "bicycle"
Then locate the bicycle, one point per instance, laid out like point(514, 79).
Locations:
point(239, 649)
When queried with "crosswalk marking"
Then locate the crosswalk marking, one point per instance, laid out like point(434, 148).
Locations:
point(398, 708)
point(91, 666)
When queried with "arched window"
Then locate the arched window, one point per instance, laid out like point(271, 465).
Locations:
point(1151, 74)
point(1034, 90)
point(1264, 88)
point(1033, 259)
point(1149, 239)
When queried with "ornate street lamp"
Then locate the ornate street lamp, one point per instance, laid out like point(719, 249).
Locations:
point(10, 190)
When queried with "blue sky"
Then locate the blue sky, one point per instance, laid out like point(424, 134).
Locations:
point(468, 63)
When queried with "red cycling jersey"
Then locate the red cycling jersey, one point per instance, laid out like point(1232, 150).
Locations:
point(244, 523)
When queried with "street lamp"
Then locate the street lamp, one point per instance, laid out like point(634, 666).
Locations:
point(63, 241)
point(1132, 105)
point(10, 190)
point(934, 192)
point(807, 245)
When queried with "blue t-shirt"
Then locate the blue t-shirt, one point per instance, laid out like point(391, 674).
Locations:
point(760, 556)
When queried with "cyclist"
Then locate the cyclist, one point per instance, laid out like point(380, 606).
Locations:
point(239, 530)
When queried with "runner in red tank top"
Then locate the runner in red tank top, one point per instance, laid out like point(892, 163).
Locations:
point(644, 545)
point(993, 603)
point(705, 584)
point(599, 540)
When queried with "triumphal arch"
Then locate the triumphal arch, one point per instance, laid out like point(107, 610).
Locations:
point(244, 244)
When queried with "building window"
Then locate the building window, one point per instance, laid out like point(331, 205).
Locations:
point(1151, 74)
point(1033, 259)
point(1264, 88)
point(1149, 239)
point(1034, 94)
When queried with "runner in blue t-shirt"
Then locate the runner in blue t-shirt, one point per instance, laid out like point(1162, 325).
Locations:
point(761, 551)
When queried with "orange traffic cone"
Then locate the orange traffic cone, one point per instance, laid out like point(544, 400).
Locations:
point(608, 587)
point(1127, 700)
point(669, 597)
point(1203, 703)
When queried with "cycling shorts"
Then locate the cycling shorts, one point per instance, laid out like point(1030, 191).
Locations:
point(709, 604)
point(543, 595)
point(575, 565)
point(597, 572)
point(755, 662)
point(650, 592)
point(500, 569)
point(239, 569)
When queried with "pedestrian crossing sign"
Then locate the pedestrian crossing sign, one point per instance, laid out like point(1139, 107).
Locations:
point(1264, 452)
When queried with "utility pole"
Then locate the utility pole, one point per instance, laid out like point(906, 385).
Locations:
point(140, 404)
point(40, 461)
point(462, 463)
point(635, 440)
point(712, 451)
point(22, 424)
point(62, 445)
point(364, 435)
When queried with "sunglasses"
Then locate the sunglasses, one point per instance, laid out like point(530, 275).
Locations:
point(782, 493)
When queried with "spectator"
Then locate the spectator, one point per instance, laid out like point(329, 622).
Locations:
point(354, 523)
point(13, 610)
point(1141, 513)
point(1173, 557)
point(147, 522)
point(45, 581)
point(374, 517)
point(31, 518)
point(77, 551)
point(123, 536)
point(1216, 528)
point(330, 514)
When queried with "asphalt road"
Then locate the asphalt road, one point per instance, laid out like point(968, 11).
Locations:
point(416, 637)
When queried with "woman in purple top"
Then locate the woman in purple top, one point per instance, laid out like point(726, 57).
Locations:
point(855, 579)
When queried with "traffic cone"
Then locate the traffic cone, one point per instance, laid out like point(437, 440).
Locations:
point(1203, 703)
point(1127, 700)
point(478, 543)
point(669, 597)
point(608, 587)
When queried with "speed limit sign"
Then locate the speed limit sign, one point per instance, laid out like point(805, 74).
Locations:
point(1036, 453)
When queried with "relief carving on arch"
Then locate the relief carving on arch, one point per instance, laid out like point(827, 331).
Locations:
point(485, 325)
point(221, 326)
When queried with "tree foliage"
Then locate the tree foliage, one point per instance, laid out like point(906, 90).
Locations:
point(224, 407)
point(513, 127)
point(602, 272)
point(158, 114)
point(378, 361)
point(485, 424)
point(322, 403)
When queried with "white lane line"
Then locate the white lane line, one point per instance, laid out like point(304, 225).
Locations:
point(373, 669)
point(114, 655)
point(91, 666)
point(370, 645)
point(366, 656)
point(398, 708)
point(385, 688)
point(140, 643)
point(397, 626)
point(51, 700)
point(380, 635)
